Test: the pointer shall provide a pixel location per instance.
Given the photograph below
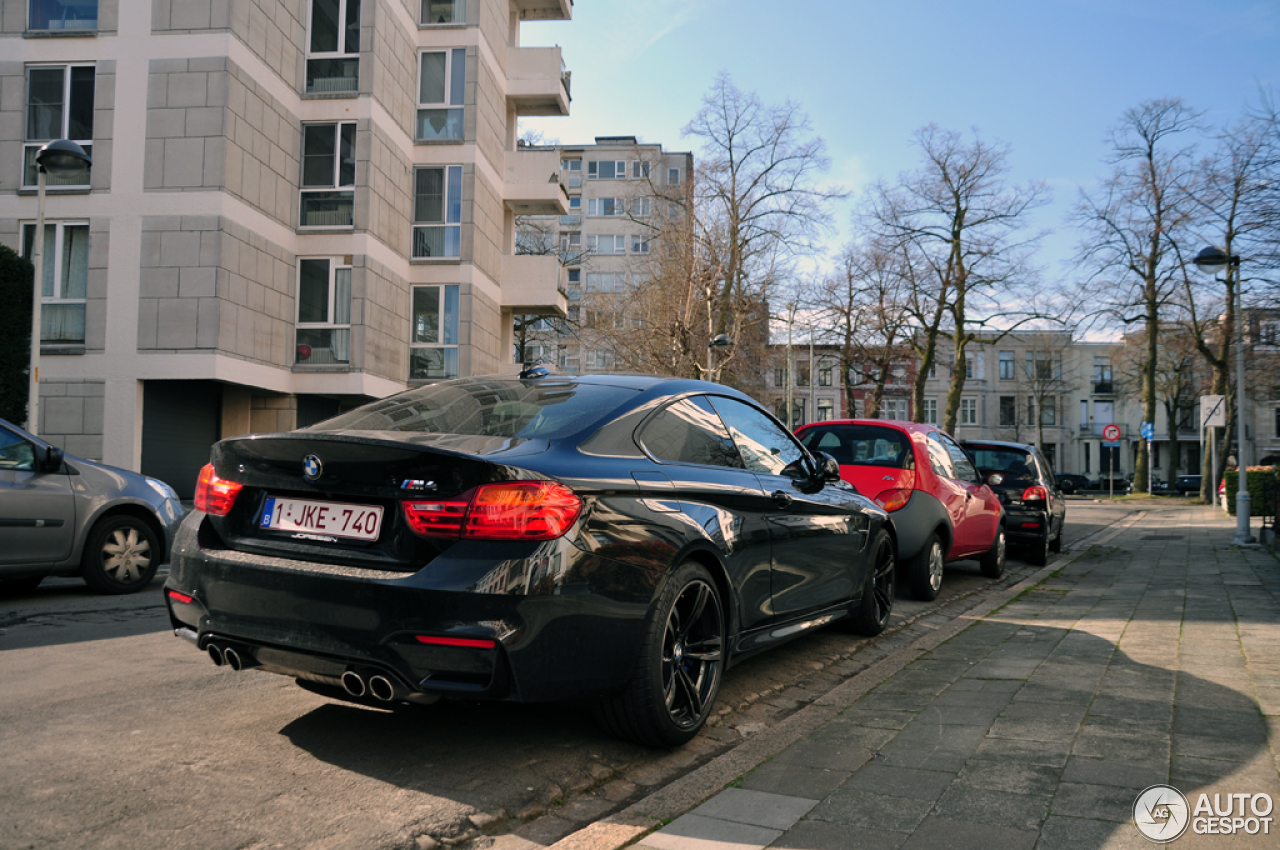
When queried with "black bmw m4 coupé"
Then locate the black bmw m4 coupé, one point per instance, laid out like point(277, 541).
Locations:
point(618, 538)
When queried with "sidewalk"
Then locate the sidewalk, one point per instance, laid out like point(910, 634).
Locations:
point(1150, 658)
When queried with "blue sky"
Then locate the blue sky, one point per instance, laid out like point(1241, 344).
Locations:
point(1047, 77)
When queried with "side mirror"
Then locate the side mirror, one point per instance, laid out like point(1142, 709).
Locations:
point(52, 461)
point(828, 467)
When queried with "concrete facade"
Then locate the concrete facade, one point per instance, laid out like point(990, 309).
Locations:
point(202, 206)
point(602, 207)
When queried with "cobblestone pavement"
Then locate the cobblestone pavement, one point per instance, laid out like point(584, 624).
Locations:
point(1151, 657)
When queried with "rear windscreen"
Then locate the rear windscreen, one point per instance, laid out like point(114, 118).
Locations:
point(1014, 462)
point(861, 445)
point(541, 409)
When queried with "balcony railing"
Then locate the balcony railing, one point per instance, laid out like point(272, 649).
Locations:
point(1103, 387)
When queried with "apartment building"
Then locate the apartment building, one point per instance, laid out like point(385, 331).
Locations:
point(624, 196)
point(295, 206)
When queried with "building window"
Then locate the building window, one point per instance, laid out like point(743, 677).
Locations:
point(824, 376)
point(328, 175)
point(1086, 458)
point(968, 411)
point(1039, 366)
point(639, 244)
point(893, 408)
point(931, 411)
point(575, 212)
point(444, 12)
point(606, 282)
point(433, 342)
point(604, 243)
point(333, 52)
point(802, 374)
point(1008, 409)
point(826, 410)
point(597, 207)
point(66, 274)
point(323, 335)
point(1102, 375)
point(606, 169)
point(968, 368)
point(441, 93)
point(673, 177)
point(571, 244)
point(639, 169)
point(59, 106)
point(1049, 411)
point(1277, 422)
point(779, 376)
point(599, 358)
point(640, 207)
point(573, 168)
point(437, 212)
point(44, 15)
point(1006, 365)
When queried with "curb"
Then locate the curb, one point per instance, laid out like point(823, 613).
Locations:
point(687, 792)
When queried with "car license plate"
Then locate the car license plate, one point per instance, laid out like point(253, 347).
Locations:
point(355, 522)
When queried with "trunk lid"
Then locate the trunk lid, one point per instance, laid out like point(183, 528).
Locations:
point(336, 496)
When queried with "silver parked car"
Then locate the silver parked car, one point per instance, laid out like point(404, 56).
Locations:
point(63, 516)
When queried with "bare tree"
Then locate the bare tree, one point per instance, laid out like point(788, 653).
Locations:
point(958, 225)
point(1236, 191)
point(1135, 226)
point(757, 201)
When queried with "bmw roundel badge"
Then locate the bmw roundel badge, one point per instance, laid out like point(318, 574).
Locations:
point(312, 468)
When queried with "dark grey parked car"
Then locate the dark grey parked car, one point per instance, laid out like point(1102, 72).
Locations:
point(61, 515)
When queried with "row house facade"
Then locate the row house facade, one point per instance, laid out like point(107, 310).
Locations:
point(295, 206)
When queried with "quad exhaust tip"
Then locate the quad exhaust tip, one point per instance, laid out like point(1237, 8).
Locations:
point(353, 683)
point(381, 688)
point(216, 655)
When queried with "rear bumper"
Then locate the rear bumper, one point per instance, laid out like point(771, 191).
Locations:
point(525, 621)
point(1025, 526)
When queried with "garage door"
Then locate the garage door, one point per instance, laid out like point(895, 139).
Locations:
point(180, 422)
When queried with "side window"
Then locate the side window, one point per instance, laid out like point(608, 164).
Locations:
point(15, 452)
point(690, 431)
point(766, 447)
point(965, 470)
point(939, 458)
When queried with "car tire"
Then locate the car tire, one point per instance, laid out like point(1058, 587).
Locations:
point(1038, 552)
point(672, 691)
point(924, 571)
point(121, 555)
point(876, 606)
point(992, 561)
point(1067, 487)
point(19, 586)
point(1055, 545)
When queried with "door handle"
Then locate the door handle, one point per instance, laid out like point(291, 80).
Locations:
point(781, 498)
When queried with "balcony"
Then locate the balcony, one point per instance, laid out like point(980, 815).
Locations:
point(1103, 387)
point(537, 83)
point(531, 184)
point(544, 10)
point(531, 284)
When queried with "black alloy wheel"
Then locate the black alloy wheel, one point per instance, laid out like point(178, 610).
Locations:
point(675, 684)
point(873, 611)
point(121, 555)
point(992, 561)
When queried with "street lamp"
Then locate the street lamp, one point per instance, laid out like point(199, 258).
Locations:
point(717, 341)
point(1213, 260)
point(61, 159)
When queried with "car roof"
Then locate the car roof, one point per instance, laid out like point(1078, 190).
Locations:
point(898, 424)
point(1004, 444)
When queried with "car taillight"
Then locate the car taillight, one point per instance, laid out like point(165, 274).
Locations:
point(181, 597)
point(892, 500)
point(215, 495)
point(1034, 493)
point(469, 643)
point(515, 510)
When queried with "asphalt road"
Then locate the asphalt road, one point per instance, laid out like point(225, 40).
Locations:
point(114, 733)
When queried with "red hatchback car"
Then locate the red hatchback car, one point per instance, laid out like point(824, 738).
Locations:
point(940, 509)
